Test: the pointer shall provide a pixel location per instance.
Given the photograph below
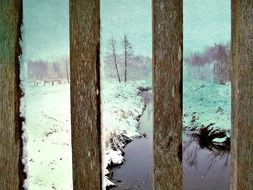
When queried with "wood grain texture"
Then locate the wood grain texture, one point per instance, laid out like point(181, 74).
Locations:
point(11, 170)
point(85, 100)
point(167, 80)
point(242, 95)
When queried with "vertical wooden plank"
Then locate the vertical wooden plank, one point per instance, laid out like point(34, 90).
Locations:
point(167, 72)
point(85, 100)
point(11, 170)
point(242, 95)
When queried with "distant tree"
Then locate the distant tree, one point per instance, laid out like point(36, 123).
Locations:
point(64, 61)
point(56, 70)
point(37, 70)
point(128, 51)
point(222, 66)
point(30, 70)
point(219, 56)
point(67, 67)
point(41, 69)
point(113, 48)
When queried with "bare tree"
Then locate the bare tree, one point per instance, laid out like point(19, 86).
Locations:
point(65, 61)
point(37, 70)
point(128, 51)
point(56, 70)
point(219, 56)
point(113, 44)
point(222, 66)
point(67, 69)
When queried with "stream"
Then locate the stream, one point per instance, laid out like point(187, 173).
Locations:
point(137, 171)
point(204, 169)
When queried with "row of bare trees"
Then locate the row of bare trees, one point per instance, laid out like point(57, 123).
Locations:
point(139, 67)
point(40, 70)
point(128, 52)
point(217, 57)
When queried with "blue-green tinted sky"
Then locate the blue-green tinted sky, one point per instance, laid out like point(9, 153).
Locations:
point(130, 17)
point(46, 25)
point(45, 29)
point(206, 22)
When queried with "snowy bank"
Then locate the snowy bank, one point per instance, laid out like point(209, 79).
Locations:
point(47, 137)
point(47, 130)
point(205, 103)
point(121, 108)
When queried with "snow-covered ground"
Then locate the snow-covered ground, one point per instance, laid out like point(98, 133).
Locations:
point(206, 102)
point(47, 130)
point(121, 107)
point(47, 151)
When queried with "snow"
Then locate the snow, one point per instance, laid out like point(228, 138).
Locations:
point(206, 102)
point(120, 107)
point(47, 130)
point(47, 137)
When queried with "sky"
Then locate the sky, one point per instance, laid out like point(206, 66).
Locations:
point(46, 26)
point(45, 29)
point(205, 23)
point(132, 18)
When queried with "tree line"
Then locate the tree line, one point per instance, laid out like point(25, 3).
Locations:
point(40, 70)
point(216, 58)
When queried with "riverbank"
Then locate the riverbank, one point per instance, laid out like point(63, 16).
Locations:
point(206, 103)
point(136, 172)
point(47, 135)
point(121, 108)
point(47, 153)
point(206, 115)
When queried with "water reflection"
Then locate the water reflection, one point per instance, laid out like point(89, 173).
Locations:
point(205, 163)
point(137, 171)
point(205, 167)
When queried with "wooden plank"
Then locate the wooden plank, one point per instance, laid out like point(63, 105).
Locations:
point(167, 73)
point(11, 169)
point(85, 100)
point(242, 95)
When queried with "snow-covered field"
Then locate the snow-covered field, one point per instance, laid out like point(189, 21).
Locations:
point(48, 133)
point(47, 154)
point(206, 102)
point(121, 107)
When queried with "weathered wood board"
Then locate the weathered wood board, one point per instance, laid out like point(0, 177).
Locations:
point(242, 95)
point(11, 169)
point(85, 100)
point(167, 82)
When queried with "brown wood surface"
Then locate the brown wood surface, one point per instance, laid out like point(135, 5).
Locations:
point(167, 81)
point(11, 170)
point(85, 100)
point(242, 95)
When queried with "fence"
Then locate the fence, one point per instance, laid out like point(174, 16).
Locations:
point(167, 74)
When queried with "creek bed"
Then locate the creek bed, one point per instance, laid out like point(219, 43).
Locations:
point(137, 171)
point(203, 168)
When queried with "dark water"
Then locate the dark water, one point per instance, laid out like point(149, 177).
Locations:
point(137, 171)
point(203, 169)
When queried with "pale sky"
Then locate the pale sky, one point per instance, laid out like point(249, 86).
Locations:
point(46, 25)
point(130, 17)
point(45, 29)
point(206, 22)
